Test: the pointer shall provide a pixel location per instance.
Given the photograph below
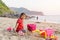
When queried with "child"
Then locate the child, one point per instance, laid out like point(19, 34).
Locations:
point(19, 25)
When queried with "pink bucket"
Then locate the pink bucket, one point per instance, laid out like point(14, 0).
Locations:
point(49, 32)
point(31, 27)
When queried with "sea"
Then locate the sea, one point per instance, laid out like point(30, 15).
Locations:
point(46, 18)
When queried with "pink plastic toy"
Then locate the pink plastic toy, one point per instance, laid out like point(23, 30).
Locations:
point(49, 32)
point(31, 27)
point(9, 29)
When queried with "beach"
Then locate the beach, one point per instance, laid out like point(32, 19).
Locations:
point(9, 22)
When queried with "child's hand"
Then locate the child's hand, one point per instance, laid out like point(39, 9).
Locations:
point(14, 29)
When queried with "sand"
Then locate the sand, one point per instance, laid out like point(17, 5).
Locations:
point(9, 22)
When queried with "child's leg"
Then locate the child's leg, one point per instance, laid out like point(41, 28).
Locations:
point(23, 31)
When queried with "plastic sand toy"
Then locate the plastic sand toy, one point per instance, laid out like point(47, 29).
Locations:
point(9, 29)
point(31, 27)
point(48, 34)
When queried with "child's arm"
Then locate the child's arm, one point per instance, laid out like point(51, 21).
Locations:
point(16, 26)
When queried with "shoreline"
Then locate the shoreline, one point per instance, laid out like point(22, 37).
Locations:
point(36, 20)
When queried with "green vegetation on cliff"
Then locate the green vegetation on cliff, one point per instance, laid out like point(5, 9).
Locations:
point(3, 8)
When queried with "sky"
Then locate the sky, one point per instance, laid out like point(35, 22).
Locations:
point(48, 7)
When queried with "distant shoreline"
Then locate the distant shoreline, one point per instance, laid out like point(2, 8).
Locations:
point(32, 20)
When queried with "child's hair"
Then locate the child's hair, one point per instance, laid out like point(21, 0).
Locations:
point(22, 14)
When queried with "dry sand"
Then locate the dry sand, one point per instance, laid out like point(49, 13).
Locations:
point(9, 22)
